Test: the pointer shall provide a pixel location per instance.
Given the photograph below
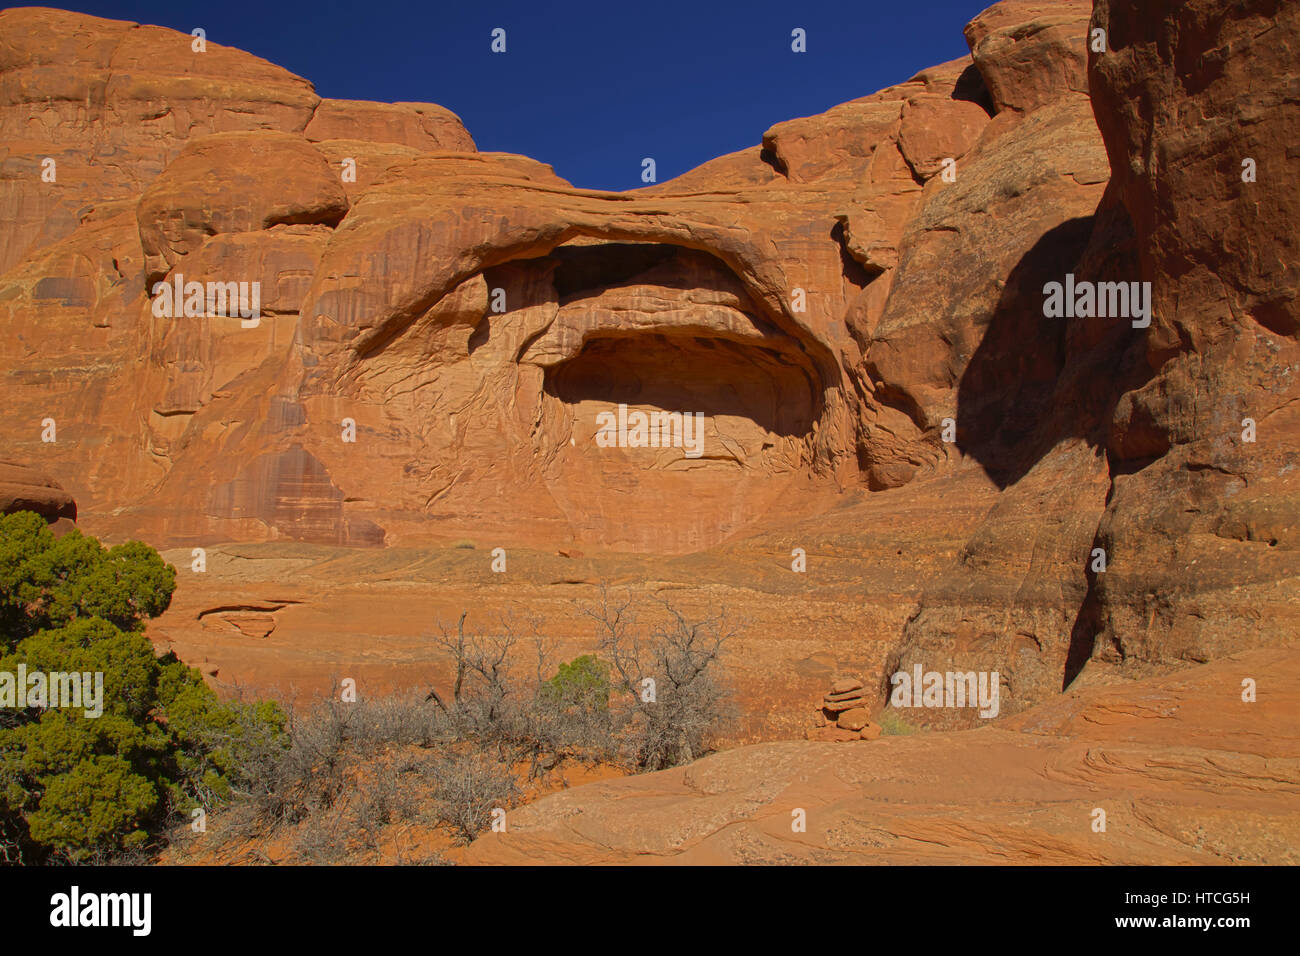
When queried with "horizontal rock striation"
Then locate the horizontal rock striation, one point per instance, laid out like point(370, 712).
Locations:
point(853, 309)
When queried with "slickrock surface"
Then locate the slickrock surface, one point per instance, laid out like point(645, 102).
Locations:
point(836, 301)
point(1184, 770)
point(369, 613)
point(25, 489)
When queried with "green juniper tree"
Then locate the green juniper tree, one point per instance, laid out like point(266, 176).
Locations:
point(76, 786)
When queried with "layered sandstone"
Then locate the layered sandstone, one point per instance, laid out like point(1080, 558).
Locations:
point(1204, 515)
point(1184, 771)
point(854, 307)
point(25, 489)
point(1132, 443)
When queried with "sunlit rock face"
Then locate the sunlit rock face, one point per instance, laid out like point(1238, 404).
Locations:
point(253, 315)
point(448, 344)
point(439, 338)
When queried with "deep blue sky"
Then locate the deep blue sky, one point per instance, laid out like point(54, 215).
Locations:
point(589, 86)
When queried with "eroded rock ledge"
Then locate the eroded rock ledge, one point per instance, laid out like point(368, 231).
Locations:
point(829, 299)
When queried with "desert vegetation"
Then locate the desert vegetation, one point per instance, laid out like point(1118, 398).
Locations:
point(80, 786)
point(376, 778)
point(340, 778)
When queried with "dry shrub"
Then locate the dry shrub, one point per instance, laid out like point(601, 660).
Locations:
point(351, 772)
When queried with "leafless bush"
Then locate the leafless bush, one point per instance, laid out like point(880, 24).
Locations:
point(490, 702)
point(350, 772)
point(387, 792)
point(561, 730)
point(470, 786)
point(669, 698)
point(672, 697)
point(379, 791)
point(404, 719)
point(345, 772)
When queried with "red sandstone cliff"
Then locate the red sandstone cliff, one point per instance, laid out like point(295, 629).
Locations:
point(829, 299)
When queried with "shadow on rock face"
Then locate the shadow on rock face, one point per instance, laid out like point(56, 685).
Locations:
point(1004, 397)
point(1036, 381)
point(710, 376)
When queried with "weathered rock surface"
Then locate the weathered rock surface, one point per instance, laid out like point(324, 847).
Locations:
point(422, 126)
point(234, 183)
point(112, 103)
point(1186, 772)
point(854, 307)
point(1127, 443)
point(25, 489)
point(1202, 527)
point(472, 315)
point(367, 612)
point(1030, 52)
